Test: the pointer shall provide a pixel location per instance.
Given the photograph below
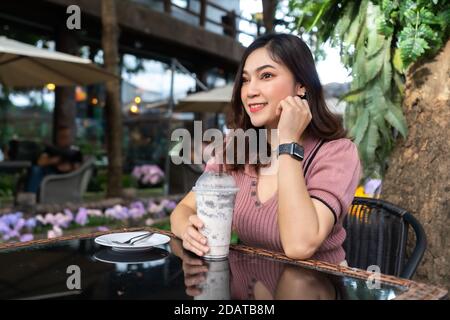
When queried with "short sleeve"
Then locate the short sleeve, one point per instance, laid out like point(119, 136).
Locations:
point(334, 175)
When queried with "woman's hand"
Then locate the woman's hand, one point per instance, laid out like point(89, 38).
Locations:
point(193, 240)
point(195, 271)
point(295, 116)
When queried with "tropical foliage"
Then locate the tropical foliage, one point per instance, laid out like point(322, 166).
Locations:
point(378, 41)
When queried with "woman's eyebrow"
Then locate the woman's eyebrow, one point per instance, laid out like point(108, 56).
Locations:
point(260, 68)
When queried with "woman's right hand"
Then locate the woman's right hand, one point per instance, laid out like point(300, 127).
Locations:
point(193, 240)
point(195, 272)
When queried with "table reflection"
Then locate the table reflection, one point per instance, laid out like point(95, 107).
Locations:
point(252, 277)
point(167, 272)
point(243, 277)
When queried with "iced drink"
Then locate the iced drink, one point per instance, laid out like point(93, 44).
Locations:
point(215, 194)
point(217, 283)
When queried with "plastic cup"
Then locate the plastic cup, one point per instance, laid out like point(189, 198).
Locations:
point(217, 283)
point(215, 194)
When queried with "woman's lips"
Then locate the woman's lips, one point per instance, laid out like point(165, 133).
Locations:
point(257, 107)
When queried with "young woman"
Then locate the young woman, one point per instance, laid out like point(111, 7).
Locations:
point(294, 205)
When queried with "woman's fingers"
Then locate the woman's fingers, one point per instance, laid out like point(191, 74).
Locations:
point(194, 280)
point(191, 243)
point(193, 240)
point(189, 246)
point(195, 220)
point(193, 270)
point(297, 105)
point(192, 261)
point(197, 236)
point(193, 291)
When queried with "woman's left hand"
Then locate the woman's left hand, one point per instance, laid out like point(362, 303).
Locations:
point(295, 116)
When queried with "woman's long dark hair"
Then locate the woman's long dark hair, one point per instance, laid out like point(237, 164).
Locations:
point(290, 51)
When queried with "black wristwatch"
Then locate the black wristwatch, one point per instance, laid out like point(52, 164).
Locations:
point(294, 149)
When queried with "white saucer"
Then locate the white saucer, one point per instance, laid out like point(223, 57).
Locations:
point(155, 240)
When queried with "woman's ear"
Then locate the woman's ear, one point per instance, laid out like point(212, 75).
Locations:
point(300, 90)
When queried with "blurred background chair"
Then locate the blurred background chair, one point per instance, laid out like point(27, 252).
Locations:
point(68, 187)
point(377, 234)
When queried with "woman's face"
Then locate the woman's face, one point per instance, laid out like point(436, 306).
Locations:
point(264, 84)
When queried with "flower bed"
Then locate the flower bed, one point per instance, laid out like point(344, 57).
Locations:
point(15, 227)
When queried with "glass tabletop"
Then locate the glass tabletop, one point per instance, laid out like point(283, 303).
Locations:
point(82, 269)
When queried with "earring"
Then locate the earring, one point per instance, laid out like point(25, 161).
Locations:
point(302, 96)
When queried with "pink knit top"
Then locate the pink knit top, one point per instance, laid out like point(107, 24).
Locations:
point(332, 172)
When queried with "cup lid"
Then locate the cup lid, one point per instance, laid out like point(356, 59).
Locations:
point(215, 181)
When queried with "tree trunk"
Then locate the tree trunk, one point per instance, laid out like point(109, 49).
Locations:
point(269, 10)
point(65, 110)
point(113, 112)
point(418, 177)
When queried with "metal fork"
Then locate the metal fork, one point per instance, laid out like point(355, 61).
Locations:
point(135, 239)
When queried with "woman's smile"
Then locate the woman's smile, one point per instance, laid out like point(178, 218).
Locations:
point(255, 107)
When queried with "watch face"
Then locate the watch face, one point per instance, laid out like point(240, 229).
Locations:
point(298, 152)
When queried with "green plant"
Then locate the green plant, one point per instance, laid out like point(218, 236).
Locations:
point(378, 41)
point(7, 184)
point(128, 181)
point(98, 182)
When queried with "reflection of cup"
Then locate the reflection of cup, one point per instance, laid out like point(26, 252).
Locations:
point(215, 194)
point(217, 283)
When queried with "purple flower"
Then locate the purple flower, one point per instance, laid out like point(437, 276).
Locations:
point(169, 204)
point(102, 228)
point(68, 214)
point(4, 228)
point(11, 219)
point(137, 172)
point(26, 237)
point(373, 187)
point(30, 223)
point(81, 217)
point(148, 174)
point(49, 218)
point(94, 213)
point(54, 233)
point(154, 208)
point(117, 212)
point(59, 220)
point(41, 219)
point(137, 210)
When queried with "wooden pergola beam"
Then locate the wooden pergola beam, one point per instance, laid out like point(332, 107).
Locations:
point(160, 26)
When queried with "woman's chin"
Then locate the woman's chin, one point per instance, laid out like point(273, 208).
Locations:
point(260, 121)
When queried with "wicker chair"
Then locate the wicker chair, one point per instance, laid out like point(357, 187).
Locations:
point(377, 234)
point(67, 187)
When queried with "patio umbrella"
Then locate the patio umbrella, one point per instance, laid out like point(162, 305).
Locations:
point(216, 100)
point(24, 65)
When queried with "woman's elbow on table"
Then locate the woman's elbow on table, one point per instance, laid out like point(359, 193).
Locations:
point(302, 252)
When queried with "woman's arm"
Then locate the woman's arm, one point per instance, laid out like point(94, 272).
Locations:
point(179, 218)
point(185, 224)
point(304, 223)
point(297, 283)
